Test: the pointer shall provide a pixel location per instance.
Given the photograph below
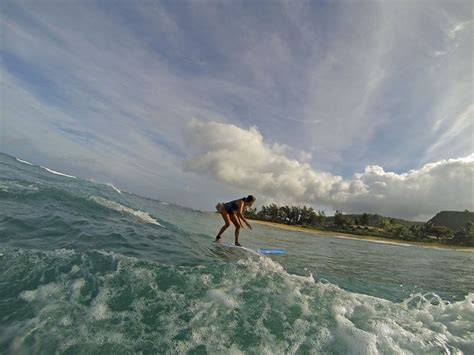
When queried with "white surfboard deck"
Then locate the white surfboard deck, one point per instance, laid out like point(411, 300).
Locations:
point(265, 251)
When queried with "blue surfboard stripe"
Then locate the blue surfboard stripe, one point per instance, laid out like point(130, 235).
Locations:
point(271, 251)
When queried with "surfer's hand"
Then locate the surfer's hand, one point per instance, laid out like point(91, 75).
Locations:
point(250, 227)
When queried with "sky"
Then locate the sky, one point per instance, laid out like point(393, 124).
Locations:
point(358, 106)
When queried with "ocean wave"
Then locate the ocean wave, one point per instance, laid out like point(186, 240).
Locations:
point(113, 187)
point(16, 186)
point(24, 161)
point(399, 244)
point(144, 216)
point(57, 172)
point(107, 301)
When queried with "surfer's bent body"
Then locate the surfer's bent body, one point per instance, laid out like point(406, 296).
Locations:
point(233, 212)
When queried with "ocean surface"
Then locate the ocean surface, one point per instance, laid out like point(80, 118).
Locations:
point(86, 268)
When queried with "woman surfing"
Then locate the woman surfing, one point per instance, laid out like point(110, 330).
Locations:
point(233, 212)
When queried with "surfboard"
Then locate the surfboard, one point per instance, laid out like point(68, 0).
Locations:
point(264, 251)
point(271, 251)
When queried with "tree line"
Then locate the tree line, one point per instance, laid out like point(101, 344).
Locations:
point(291, 215)
point(364, 224)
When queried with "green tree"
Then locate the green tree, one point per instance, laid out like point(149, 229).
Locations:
point(364, 219)
point(417, 232)
point(469, 229)
point(400, 231)
point(342, 221)
point(250, 213)
point(439, 232)
point(285, 211)
point(383, 223)
point(308, 216)
point(273, 212)
point(465, 236)
point(321, 218)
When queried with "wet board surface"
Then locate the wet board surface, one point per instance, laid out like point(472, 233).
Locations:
point(265, 251)
point(271, 251)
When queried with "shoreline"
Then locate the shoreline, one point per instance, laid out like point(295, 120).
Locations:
point(367, 238)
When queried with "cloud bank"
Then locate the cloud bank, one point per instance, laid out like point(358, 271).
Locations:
point(242, 158)
point(104, 92)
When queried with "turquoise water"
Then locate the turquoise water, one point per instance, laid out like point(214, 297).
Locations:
point(85, 268)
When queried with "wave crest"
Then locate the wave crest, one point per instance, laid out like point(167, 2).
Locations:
point(254, 304)
point(24, 161)
point(57, 172)
point(144, 216)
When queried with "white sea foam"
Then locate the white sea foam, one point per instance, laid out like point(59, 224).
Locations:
point(219, 296)
point(57, 172)
point(113, 187)
point(24, 161)
point(363, 324)
point(109, 184)
point(374, 241)
point(16, 186)
point(285, 313)
point(99, 309)
point(76, 287)
point(43, 293)
point(144, 216)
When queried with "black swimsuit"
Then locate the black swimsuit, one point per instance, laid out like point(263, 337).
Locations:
point(231, 207)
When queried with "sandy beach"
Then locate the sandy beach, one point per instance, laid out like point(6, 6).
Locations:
point(373, 239)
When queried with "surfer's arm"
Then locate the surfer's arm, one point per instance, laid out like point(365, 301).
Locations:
point(240, 221)
point(241, 216)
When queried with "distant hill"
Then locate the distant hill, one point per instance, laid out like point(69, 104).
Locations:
point(447, 227)
point(374, 219)
point(454, 220)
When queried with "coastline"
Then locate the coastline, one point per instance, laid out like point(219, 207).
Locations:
point(367, 238)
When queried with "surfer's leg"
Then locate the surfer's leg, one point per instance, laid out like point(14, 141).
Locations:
point(225, 216)
point(236, 223)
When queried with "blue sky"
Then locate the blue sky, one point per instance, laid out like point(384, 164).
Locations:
point(352, 105)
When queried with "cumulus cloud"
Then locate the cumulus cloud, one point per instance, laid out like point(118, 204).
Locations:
point(105, 91)
point(243, 158)
point(453, 32)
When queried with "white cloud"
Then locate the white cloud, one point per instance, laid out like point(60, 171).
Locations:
point(242, 158)
point(377, 84)
point(336, 86)
point(461, 124)
point(454, 31)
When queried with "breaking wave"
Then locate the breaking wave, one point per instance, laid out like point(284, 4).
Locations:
point(144, 216)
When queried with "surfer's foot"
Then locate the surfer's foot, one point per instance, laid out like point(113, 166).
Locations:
point(218, 239)
point(237, 244)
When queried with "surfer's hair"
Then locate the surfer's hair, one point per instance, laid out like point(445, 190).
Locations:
point(249, 198)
